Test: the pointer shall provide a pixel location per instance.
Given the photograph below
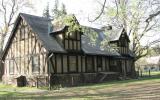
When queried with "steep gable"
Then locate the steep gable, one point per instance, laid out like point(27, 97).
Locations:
point(117, 34)
point(39, 26)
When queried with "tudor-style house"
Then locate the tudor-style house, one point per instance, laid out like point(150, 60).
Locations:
point(34, 56)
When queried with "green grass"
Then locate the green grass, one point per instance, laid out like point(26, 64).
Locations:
point(113, 90)
point(152, 73)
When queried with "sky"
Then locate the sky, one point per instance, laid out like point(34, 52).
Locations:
point(83, 9)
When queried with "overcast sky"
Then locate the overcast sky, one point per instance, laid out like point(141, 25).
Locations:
point(83, 9)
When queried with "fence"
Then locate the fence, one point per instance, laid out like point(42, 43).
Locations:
point(148, 73)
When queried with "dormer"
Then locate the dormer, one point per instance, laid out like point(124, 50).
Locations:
point(70, 41)
point(123, 40)
point(120, 41)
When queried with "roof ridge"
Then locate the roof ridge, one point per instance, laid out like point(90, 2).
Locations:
point(26, 14)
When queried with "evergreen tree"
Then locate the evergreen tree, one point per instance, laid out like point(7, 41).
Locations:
point(55, 10)
point(46, 12)
point(63, 10)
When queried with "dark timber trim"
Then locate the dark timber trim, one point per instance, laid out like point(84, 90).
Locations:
point(62, 62)
point(55, 63)
point(67, 63)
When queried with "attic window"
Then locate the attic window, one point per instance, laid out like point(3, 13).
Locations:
point(22, 33)
point(60, 36)
point(122, 35)
point(72, 35)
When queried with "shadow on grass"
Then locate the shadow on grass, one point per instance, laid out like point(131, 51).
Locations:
point(116, 82)
point(15, 96)
point(7, 95)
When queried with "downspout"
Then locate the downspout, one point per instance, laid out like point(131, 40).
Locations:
point(49, 55)
point(49, 70)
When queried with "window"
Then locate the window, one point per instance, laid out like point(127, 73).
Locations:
point(66, 44)
point(70, 44)
point(89, 65)
point(72, 35)
point(78, 36)
point(35, 64)
point(113, 63)
point(99, 61)
point(72, 64)
point(11, 67)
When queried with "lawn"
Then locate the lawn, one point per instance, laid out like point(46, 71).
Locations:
point(144, 88)
point(152, 73)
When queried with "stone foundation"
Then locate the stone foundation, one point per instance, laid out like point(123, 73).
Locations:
point(64, 80)
point(80, 79)
point(22, 80)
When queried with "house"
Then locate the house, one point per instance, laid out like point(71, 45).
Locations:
point(33, 56)
point(150, 63)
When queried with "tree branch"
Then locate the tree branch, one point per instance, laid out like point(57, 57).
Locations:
point(152, 16)
point(102, 10)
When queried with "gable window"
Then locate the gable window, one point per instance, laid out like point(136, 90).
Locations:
point(22, 33)
point(35, 64)
point(72, 35)
point(72, 64)
point(122, 43)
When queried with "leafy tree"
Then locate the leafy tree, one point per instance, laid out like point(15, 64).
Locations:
point(138, 17)
point(46, 11)
point(63, 10)
point(56, 12)
point(9, 10)
point(68, 20)
point(71, 21)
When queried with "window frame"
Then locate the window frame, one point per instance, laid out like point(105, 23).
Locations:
point(36, 66)
point(71, 63)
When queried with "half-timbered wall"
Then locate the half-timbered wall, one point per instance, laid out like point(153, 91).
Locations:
point(77, 63)
point(26, 54)
point(72, 41)
point(121, 45)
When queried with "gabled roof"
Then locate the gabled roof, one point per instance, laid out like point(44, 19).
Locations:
point(39, 25)
point(58, 31)
point(94, 50)
point(115, 34)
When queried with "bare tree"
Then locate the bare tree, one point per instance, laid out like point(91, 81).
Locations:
point(9, 9)
point(140, 18)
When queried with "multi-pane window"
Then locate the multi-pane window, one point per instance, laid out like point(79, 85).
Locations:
point(72, 35)
point(99, 61)
point(72, 41)
point(89, 65)
point(72, 64)
point(35, 64)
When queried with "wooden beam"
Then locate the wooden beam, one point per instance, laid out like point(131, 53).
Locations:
point(55, 63)
point(62, 63)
